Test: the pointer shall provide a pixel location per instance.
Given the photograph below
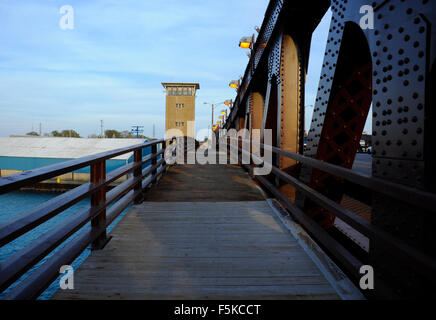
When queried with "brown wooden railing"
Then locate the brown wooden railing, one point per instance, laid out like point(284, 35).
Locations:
point(97, 213)
point(420, 262)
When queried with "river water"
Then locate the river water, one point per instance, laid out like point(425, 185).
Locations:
point(15, 203)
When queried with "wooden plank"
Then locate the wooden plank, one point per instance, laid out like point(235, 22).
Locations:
point(200, 250)
point(205, 183)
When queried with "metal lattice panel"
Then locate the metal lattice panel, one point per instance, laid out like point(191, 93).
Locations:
point(274, 60)
point(265, 36)
point(326, 80)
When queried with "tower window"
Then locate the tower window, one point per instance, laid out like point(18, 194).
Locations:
point(180, 105)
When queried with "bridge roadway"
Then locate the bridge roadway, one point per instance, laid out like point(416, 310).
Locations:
point(208, 232)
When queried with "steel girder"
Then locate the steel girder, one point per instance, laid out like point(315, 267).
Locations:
point(398, 59)
point(390, 66)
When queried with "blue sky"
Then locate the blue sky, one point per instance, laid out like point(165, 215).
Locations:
point(111, 65)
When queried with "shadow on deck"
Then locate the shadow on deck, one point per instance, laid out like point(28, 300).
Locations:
point(204, 183)
point(206, 232)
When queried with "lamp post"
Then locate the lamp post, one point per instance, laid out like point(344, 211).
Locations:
point(247, 42)
point(234, 84)
point(213, 108)
point(226, 102)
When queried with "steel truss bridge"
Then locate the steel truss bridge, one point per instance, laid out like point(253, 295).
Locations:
point(209, 232)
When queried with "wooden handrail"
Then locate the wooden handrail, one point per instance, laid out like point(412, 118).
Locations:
point(16, 181)
point(120, 197)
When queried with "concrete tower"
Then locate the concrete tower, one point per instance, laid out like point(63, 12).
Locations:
point(180, 106)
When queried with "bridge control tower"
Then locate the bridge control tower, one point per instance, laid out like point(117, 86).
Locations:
point(180, 106)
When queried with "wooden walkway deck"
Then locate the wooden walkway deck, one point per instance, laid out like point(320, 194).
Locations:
point(213, 248)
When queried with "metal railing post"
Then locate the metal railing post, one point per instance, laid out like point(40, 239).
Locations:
point(164, 148)
point(137, 155)
point(98, 198)
point(153, 163)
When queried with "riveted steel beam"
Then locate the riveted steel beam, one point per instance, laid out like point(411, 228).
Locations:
point(398, 54)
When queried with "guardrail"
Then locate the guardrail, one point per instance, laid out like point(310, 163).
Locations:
point(417, 260)
point(97, 212)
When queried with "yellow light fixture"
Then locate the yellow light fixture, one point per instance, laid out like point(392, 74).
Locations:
point(224, 112)
point(245, 42)
point(234, 84)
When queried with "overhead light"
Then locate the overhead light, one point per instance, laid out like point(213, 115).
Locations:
point(223, 112)
point(234, 84)
point(245, 42)
point(228, 102)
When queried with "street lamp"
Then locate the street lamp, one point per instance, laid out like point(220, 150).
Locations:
point(246, 42)
point(234, 84)
point(217, 104)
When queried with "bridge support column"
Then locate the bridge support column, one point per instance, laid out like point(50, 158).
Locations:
point(292, 76)
point(256, 111)
point(256, 102)
point(340, 113)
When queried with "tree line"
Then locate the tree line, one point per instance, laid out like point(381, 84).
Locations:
point(108, 134)
point(64, 133)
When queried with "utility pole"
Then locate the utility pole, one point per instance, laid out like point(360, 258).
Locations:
point(138, 130)
point(40, 129)
point(212, 115)
point(101, 127)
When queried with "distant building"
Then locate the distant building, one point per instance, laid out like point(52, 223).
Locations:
point(180, 106)
point(365, 143)
point(19, 154)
